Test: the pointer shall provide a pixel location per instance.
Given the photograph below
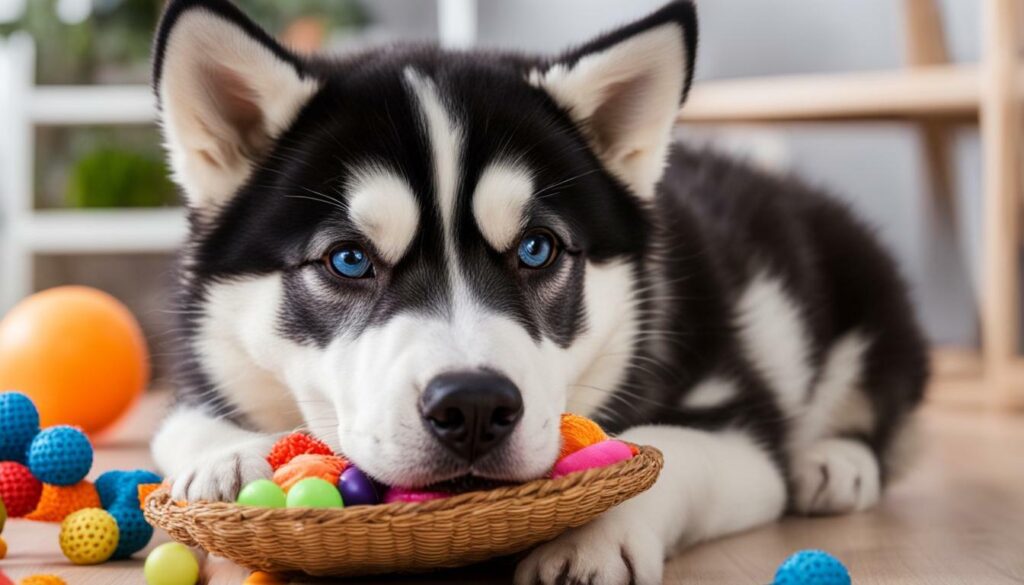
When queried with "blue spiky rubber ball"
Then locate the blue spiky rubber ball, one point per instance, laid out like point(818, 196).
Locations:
point(117, 488)
point(134, 533)
point(60, 455)
point(812, 567)
point(19, 424)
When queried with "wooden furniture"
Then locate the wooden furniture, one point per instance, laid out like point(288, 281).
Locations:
point(932, 94)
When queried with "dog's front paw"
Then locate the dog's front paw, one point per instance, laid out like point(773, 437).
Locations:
point(608, 551)
point(219, 476)
point(836, 476)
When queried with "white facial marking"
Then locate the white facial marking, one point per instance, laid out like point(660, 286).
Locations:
point(774, 339)
point(211, 64)
point(241, 349)
point(382, 206)
point(600, 356)
point(385, 368)
point(500, 201)
point(710, 393)
point(445, 141)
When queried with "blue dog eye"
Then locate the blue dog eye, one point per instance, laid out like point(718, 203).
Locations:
point(536, 250)
point(350, 261)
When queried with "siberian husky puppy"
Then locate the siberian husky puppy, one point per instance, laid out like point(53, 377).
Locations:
point(424, 257)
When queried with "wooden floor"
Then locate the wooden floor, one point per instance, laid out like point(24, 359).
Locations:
point(958, 518)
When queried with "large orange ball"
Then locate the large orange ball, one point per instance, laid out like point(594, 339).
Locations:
point(77, 352)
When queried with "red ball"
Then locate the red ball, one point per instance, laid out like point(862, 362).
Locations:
point(290, 446)
point(19, 489)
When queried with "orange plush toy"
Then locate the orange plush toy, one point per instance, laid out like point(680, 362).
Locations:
point(579, 432)
point(290, 446)
point(326, 467)
point(58, 501)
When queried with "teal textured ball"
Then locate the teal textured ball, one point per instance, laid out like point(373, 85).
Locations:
point(812, 567)
point(60, 455)
point(19, 424)
point(119, 487)
point(133, 530)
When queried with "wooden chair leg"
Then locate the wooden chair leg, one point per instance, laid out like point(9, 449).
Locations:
point(1001, 143)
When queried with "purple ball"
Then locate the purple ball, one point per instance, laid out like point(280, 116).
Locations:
point(356, 488)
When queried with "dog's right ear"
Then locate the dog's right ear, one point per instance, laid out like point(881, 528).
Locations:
point(226, 90)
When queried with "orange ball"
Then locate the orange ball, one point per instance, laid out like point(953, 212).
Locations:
point(58, 501)
point(78, 353)
point(579, 432)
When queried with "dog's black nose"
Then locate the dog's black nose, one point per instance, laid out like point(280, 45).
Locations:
point(471, 413)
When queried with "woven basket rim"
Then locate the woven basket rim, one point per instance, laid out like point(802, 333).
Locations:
point(385, 513)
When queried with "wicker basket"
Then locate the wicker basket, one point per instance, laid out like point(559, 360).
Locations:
point(403, 537)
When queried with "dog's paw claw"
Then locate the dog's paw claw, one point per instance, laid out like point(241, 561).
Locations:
point(601, 553)
point(836, 476)
point(220, 476)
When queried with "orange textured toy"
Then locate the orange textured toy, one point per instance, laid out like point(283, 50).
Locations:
point(579, 432)
point(326, 467)
point(42, 580)
point(78, 353)
point(289, 446)
point(144, 490)
point(262, 578)
point(58, 501)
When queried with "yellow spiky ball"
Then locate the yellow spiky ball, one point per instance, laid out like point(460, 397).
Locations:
point(42, 580)
point(89, 536)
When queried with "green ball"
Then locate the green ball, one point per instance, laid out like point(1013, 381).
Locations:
point(3, 515)
point(171, 564)
point(262, 493)
point(314, 492)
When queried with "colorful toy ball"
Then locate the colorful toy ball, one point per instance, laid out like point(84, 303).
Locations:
point(122, 487)
point(42, 580)
point(78, 353)
point(812, 567)
point(19, 424)
point(171, 564)
point(290, 446)
point(133, 530)
point(579, 432)
point(60, 455)
point(57, 501)
point(314, 492)
point(600, 454)
point(356, 488)
point(3, 548)
point(262, 493)
point(19, 489)
point(410, 496)
point(89, 537)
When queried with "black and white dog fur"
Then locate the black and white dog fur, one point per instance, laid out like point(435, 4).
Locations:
point(744, 324)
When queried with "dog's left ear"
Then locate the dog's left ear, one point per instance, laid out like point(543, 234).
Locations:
point(625, 88)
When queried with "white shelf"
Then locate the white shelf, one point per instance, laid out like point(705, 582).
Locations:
point(99, 104)
point(87, 231)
